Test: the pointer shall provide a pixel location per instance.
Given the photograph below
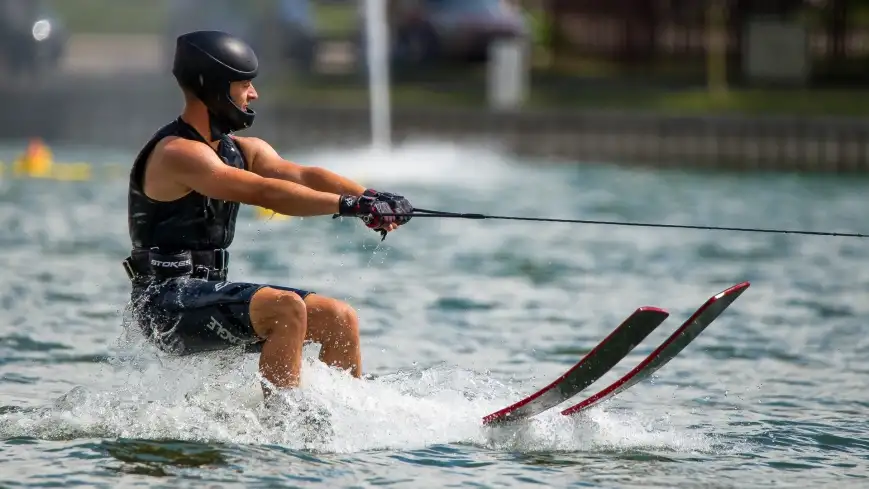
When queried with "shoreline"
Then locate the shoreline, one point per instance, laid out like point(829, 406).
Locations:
point(122, 112)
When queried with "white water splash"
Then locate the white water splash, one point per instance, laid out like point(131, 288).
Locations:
point(426, 163)
point(217, 398)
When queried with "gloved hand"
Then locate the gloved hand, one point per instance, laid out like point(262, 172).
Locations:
point(368, 208)
point(375, 209)
point(397, 203)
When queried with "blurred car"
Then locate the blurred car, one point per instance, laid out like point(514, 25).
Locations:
point(422, 31)
point(32, 37)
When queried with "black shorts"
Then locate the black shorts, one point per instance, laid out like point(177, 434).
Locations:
point(188, 315)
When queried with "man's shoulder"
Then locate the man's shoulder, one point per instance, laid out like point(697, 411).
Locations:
point(251, 147)
point(175, 150)
point(174, 145)
point(252, 143)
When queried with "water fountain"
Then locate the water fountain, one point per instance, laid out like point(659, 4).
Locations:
point(377, 46)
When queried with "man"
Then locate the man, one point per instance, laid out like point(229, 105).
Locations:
point(184, 193)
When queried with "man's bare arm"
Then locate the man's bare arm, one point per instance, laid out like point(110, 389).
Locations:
point(266, 162)
point(196, 166)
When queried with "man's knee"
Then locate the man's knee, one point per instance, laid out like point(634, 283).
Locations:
point(347, 317)
point(345, 314)
point(335, 312)
point(274, 311)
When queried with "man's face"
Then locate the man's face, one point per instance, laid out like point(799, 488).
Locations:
point(242, 93)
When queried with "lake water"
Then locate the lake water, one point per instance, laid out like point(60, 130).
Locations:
point(459, 318)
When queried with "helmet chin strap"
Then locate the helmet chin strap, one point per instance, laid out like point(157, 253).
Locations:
point(220, 125)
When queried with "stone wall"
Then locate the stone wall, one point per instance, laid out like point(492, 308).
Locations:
point(738, 143)
point(99, 113)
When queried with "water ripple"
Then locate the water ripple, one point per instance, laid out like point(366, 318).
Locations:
point(459, 319)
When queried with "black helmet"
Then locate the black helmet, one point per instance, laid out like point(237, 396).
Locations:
point(206, 62)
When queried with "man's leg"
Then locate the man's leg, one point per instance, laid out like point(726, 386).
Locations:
point(335, 326)
point(279, 317)
point(285, 320)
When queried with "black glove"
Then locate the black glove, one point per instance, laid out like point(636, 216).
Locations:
point(397, 203)
point(375, 209)
point(368, 208)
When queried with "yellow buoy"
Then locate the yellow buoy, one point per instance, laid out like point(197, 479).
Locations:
point(36, 162)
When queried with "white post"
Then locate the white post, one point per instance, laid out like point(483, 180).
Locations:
point(377, 33)
point(508, 74)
